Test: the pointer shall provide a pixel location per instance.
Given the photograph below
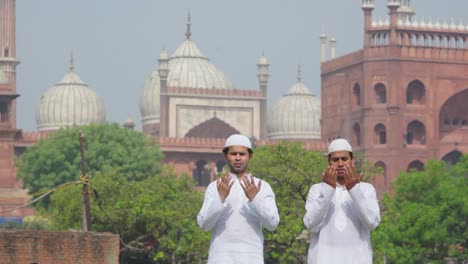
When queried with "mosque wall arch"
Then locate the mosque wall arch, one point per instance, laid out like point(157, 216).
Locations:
point(416, 133)
point(356, 95)
point(453, 113)
point(452, 158)
point(416, 93)
point(380, 180)
point(356, 139)
point(380, 93)
point(380, 134)
point(416, 165)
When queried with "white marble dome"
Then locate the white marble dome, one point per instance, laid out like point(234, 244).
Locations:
point(149, 99)
point(69, 102)
point(188, 68)
point(296, 116)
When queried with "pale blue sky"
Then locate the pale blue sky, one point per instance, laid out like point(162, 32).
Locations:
point(116, 43)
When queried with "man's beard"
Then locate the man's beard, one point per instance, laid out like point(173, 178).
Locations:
point(241, 169)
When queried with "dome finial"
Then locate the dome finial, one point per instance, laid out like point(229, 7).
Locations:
point(299, 75)
point(188, 33)
point(72, 65)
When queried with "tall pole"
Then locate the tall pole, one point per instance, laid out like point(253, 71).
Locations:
point(86, 224)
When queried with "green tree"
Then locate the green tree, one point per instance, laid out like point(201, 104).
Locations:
point(156, 217)
point(291, 170)
point(425, 220)
point(56, 159)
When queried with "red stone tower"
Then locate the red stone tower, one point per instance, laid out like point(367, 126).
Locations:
point(403, 98)
point(11, 138)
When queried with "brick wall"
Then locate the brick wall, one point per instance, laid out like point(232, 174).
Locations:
point(49, 247)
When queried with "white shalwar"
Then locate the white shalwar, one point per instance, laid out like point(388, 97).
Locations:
point(340, 222)
point(237, 223)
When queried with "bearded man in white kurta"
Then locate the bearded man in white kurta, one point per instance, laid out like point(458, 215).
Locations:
point(341, 211)
point(236, 207)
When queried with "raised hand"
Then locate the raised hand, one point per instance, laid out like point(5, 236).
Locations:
point(351, 177)
point(329, 176)
point(224, 186)
point(248, 184)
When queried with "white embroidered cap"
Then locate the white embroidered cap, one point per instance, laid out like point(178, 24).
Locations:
point(238, 140)
point(339, 144)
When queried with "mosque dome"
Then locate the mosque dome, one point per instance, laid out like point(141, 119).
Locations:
point(296, 115)
point(149, 99)
point(69, 102)
point(188, 67)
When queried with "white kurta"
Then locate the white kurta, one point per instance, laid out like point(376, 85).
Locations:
point(237, 223)
point(340, 222)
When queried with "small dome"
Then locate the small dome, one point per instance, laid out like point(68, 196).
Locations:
point(70, 102)
point(263, 61)
point(296, 115)
point(149, 99)
point(128, 123)
point(163, 55)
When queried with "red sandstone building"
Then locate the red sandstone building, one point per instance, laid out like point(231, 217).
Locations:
point(401, 100)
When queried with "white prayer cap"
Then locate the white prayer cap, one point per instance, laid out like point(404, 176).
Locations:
point(238, 140)
point(339, 144)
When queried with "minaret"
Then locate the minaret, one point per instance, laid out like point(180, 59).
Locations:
point(405, 13)
point(323, 45)
point(164, 98)
point(393, 6)
point(332, 47)
point(263, 75)
point(367, 7)
point(8, 64)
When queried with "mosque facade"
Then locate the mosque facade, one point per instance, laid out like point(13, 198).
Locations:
point(401, 100)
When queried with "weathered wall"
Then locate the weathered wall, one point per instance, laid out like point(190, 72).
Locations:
point(26, 247)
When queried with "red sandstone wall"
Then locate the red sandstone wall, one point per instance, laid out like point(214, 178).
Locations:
point(26, 247)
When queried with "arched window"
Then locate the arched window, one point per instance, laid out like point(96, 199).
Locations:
point(220, 165)
point(356, 135)
point(415, 165)
point(380, 134)
point(356, 95)
point(3, 112)
point(416, 133)
point(201, 173)
point(416, 93)
point(380, 93)
point(383, 173)
point(453, 113)
point(452, 158)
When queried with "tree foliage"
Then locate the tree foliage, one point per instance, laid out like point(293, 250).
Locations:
point(131, 194)
point(291, 170)
point(155, 217)
point(425, 220)
point(56, 160)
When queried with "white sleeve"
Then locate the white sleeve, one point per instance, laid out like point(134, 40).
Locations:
point(363, 195)
point(318, 202)
point(264, 206)
point(212, 208)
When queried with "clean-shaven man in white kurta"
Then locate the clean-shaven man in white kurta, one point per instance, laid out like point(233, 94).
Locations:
point(341, 211)
point(235, 209)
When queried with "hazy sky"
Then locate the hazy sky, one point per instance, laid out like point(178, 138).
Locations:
point(116, 43)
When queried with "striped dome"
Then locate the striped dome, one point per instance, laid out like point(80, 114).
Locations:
point(69, 102)
point(296, 115)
